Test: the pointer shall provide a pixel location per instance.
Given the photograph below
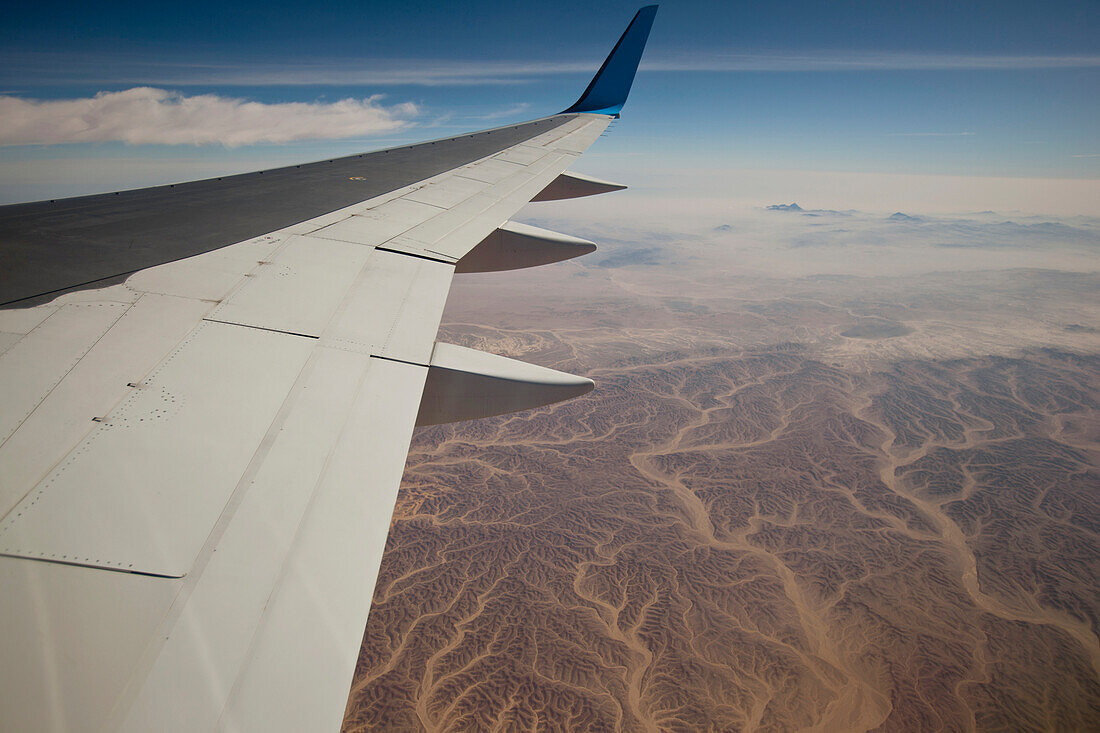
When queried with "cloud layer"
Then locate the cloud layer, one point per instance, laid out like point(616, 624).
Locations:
point(871, 61)
point(59, 67)
point(146, 115)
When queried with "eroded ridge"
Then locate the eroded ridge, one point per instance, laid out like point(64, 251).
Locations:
point(749, 541)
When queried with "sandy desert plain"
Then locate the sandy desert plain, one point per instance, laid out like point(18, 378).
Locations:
point(841, 471)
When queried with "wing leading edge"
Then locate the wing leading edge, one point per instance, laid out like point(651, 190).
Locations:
point(199, 463)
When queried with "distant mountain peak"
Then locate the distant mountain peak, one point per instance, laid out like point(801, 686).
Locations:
point(785, 207)
point(898, 216)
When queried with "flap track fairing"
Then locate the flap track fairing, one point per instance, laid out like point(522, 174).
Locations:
point(514, 246)
point(466, 384)
point(574, 185)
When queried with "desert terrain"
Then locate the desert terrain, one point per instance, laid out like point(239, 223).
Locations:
point(841, 471)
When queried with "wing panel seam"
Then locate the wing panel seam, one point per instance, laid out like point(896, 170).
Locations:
point(261, 328)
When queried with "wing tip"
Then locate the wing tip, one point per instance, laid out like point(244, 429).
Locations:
point(609, 88)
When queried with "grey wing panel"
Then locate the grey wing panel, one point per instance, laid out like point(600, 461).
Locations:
point(48, 247)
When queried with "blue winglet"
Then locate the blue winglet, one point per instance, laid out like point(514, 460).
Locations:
point(606, 94)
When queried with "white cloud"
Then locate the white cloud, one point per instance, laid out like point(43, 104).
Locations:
point(145, 115)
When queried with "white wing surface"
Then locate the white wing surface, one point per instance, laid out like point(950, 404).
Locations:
point(199, 463)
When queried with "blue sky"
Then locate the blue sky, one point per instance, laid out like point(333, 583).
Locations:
point(1008, 89)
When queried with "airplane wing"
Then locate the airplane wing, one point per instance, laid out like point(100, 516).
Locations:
point(207, 393)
